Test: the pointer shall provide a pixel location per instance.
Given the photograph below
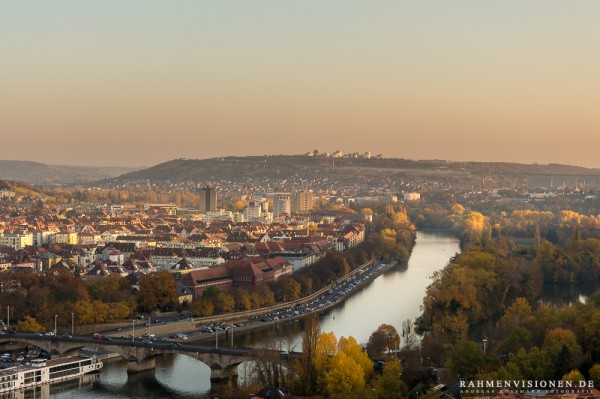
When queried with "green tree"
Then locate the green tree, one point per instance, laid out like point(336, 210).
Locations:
point(595, 374)
point(465, 359)
point(389, 384)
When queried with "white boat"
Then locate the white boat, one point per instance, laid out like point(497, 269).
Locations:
point(42, 371)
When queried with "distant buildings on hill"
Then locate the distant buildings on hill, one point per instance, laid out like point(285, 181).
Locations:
point(340, 154)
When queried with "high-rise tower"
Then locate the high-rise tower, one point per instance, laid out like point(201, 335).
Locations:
point(208, 199)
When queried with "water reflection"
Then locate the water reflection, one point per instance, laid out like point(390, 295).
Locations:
point(392, 298)
point(561, 294)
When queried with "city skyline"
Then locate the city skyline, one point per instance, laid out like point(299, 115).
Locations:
point(139, 83)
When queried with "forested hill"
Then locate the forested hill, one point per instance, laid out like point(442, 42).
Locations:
point(283, 166)
point(39, 173)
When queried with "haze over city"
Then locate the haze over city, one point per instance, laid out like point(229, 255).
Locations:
point(141, 82)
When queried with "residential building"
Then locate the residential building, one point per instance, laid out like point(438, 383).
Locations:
point(16, 240)
point(282, 204)
point(302, 202)
point(208, 199)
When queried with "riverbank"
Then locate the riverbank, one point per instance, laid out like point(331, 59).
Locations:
point(343, 289)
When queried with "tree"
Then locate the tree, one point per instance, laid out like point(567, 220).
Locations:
point(389, 385)
point(344, 376)
point(595, 374)
point(563, 348)
point(326, 348)
point(312, 331)
point(465, 359)
point(573, 376)
point(29, 324)
point(383, 339)
point(157, 290)
point(353, 350)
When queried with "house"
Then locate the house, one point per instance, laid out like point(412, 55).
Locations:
point(183, 266)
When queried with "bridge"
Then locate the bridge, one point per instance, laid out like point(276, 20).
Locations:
point(141, 356)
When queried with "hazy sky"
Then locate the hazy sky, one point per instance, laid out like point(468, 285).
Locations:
point(141, 82)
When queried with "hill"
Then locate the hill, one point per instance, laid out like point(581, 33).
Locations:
point(39, 173)
point(283, 166)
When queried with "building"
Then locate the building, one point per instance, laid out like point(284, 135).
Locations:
point(302, 202)
point(282, 204)
point(253, 211)
point(236, 273)
point(412, 196)
point(208, 199)
point(7, 194)
point(16, 240)
point(170, 208)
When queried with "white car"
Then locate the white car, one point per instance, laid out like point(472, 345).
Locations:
point(49, 334)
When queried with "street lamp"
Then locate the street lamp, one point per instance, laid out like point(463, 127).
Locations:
point(55, 321)
point(72, 323)
point(133, 330)
point(484, 345)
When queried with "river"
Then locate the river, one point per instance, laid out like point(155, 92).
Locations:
point(391, 298)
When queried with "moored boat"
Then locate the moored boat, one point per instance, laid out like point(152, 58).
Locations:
point(42, 371)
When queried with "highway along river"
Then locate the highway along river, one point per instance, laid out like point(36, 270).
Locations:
point(391, 298)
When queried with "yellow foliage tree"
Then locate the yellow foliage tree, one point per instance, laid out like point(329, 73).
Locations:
point(573, 376)
point(345, 375)
point(326, 348)
point(353, 350)
point(29, 324)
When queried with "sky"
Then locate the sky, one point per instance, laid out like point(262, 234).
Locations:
point(139, 82)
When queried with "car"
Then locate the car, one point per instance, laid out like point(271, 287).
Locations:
point(37, 334)
point(49, 334)
point(66, 335)
point(146, 342)
point(106, 338)
point(97, 336)
point(12, 331)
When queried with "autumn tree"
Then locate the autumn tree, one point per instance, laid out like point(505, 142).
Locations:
point(383, 339)
point(157, 290)
point(573, 376)
point(342, 367)
point(29, 324)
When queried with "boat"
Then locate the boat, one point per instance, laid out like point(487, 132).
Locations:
point(42, 371)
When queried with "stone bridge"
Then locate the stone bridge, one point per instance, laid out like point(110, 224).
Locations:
point(140, 357)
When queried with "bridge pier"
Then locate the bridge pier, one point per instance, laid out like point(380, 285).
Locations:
point(136, 366)
point(219, 374)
